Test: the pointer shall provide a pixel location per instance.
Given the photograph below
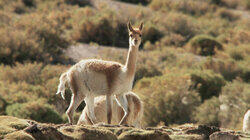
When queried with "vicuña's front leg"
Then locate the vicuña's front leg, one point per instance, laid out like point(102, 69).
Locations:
point(91, 109)
point(122, 101)
point(109, 108)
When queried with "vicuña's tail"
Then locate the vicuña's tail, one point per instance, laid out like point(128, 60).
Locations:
point(61, 86)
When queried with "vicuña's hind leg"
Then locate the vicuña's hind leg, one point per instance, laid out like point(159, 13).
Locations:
point(123, 102)
point(91, 109)
point(76, 100)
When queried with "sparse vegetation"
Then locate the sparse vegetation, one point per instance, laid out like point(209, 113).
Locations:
point(194, 59)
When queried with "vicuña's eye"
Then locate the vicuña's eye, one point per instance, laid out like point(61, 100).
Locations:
point(131, 35)
point(140, 35)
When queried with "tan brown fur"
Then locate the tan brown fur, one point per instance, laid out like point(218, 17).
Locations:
point(109, 69)
point(73, 83)
point(135, 31)
point(131, 64)
point(137, 105)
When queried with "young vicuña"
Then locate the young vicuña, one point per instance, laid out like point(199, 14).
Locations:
point(91, 77)
point(134, 105)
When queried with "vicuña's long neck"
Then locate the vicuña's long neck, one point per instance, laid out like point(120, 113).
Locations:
point(131, 61)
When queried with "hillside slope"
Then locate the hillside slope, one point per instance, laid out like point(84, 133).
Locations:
point(15, 128)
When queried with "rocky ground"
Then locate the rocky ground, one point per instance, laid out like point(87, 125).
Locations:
point(21, 129)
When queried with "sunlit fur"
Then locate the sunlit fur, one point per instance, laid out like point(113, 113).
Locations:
point(92, 77)
point(246, 122)
point(134, 104)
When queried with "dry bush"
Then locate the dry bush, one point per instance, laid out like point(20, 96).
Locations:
point(207, 83)
point(28, 82)
point(16, 45)
point(237, 37)
point(172, 39)
point(208, 27)
point(35, 110)
point(208, 112)
point(230, 3)
point(228, 14)
point(18, 6)
point(197, 8)
point(228, 69)
point(204, 45)
point(164, 101)
point(104, 29)
point(28, 73)
point(25, 41)
point(151, 33)
point(180, 24)
point(238, 52)
point(235, 98)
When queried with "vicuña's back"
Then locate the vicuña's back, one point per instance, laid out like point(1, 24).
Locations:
point(135, 111)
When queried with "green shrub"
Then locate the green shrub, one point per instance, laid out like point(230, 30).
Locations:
point(204, 45)
point(229, 69)
point(29, 3)
point(151, 33)
point(164, 102)
point(36, 110)
point(235, 98)
point(218, 2)
point(207, 83)
point(20, 92)
point(245, 71)
point(77, 2)
point(100, 28)
point(144, 70)
point(144, 2)
point(208, 112)
point(3, 105)
point(247, 4)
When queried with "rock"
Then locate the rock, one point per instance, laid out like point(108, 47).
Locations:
point(203, 130)
point(20, 129)
point(223, 136)
point(19, 135)
point(143, 135)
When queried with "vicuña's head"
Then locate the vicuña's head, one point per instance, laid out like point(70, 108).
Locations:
point(135, 35)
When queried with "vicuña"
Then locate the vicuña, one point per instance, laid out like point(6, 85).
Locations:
point(134, 117)
point(92, 77)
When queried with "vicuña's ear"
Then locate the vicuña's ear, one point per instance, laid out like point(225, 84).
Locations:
point(130, 28)
point(141, 26)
